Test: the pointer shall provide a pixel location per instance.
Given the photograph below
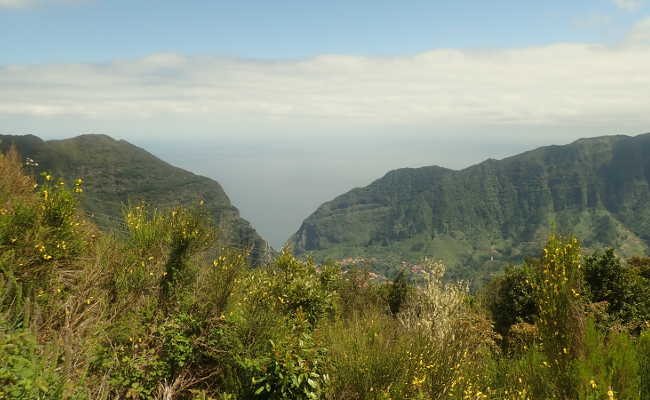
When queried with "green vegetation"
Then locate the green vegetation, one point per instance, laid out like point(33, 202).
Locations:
point(116, 172)
point(161, 310)
point(482, 218)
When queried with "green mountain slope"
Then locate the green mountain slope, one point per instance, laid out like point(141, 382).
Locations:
point(117, 172)
point(493, 213)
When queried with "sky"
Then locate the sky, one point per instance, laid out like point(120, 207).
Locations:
point(290, 103)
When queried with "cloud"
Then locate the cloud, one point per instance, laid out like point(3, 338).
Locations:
point(640, 33)
point(628, 5)
point(555, 84)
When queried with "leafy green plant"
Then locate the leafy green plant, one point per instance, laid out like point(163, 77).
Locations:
point(136, 375)
point(23, 373)
point(607, 281)
point(177, 342)
point(296, 286)
point(294, 368)
point(510, 299)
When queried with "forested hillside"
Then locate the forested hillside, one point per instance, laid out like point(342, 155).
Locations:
point(497, 212)
point(117, 172)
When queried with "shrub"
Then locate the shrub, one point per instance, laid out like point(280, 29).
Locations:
point(23, 373)
point(156, 258)
point(297, 286)
point(449, 336)
point(357, 291)
point(216, 284)
point(398, 292)
point(293, 369)
point(622, 287)
point(371, 356)
point(42, 237)
point(558, 287)
point(606, 280)
point(510, 299)
point(136, 375)
point(609, 363)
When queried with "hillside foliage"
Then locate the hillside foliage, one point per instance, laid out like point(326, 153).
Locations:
point(162, 310)
point(117, 173)
point(489, 215)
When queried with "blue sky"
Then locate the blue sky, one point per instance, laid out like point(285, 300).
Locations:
point(86, 30)
point(291, 103)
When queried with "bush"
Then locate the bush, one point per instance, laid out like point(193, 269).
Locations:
point(609, 363)
point(158, 262)
point(398, 292)
point(450, 336)
point(42, 237)
point(622, 287)
point(293, 369)
point(371, 355)
point(23, 373)
point(606, 280)
point(297, 286)
point(558, 287)
point(510, 299)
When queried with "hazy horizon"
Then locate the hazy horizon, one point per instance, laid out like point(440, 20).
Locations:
point(289, 104)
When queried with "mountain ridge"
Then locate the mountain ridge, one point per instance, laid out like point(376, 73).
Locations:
point(495, 209)
point(116, 172)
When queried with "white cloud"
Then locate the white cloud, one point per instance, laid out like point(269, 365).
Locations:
point(551, 84)
point(640, 33)
point(628, 5)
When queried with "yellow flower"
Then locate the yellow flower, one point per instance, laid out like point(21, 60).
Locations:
point(418, 382)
